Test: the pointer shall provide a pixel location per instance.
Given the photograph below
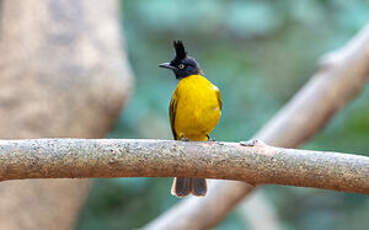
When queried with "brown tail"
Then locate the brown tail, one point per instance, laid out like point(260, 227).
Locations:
point(199, 187)
point(184, 186)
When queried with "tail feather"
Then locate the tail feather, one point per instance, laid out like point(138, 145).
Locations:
point(199, 187)
point(184, 186)
point(181, 186)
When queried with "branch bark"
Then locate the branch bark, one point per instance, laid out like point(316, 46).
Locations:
point(341, 77)
point(259, 164)
point(63, 73)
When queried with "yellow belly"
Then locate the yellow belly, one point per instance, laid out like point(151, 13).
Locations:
point(198, 109)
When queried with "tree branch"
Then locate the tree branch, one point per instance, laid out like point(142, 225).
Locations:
point(340, 78)
point(259, 213)
point(260, 164)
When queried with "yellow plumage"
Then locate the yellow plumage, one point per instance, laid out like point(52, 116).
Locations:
point(194, 111)
point(195, 108)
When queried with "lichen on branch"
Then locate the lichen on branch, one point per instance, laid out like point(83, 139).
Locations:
point(259, 164)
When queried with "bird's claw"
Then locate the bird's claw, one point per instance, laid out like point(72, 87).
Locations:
point(211, 139)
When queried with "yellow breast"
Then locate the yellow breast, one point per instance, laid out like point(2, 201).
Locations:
point(198, 108)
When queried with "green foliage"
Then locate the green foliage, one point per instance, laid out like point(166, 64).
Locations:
point(259, 53)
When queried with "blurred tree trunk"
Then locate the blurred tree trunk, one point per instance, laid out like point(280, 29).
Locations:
point(62, 74)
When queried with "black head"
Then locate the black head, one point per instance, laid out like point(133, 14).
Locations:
point(182, 65)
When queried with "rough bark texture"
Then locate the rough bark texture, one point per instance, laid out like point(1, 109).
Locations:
point(259, 164)
point(341, 77)
point(62, 74)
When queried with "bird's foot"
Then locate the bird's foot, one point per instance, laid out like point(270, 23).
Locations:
point(211, 139)
point(251, 143)
point(184, 139)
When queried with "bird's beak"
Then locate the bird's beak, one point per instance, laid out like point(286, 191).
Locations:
point(167, 66)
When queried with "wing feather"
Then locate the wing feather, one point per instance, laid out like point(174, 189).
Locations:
point(219, 97)
point(172, 114)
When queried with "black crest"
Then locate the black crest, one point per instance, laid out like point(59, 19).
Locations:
point(182, 65)
point(180, 50)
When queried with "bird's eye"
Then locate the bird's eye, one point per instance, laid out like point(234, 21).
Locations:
point(181, 66)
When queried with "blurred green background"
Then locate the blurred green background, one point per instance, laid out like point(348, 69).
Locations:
point(259, 53)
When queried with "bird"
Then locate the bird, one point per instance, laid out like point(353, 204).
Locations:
point(194, 111)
